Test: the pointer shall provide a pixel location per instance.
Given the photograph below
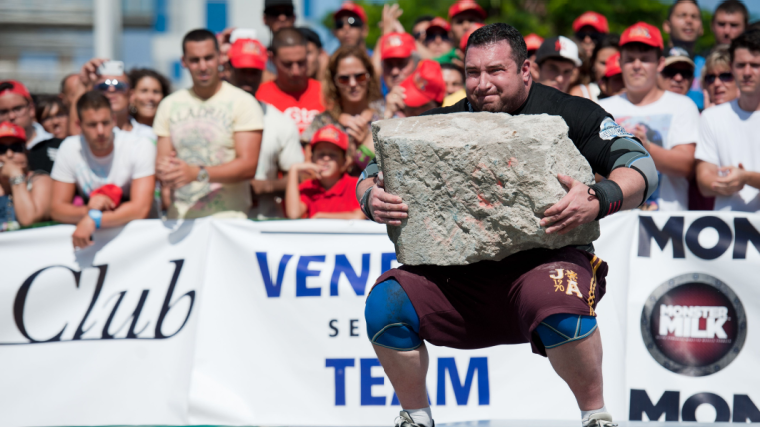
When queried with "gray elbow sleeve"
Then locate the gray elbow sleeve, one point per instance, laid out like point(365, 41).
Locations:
point(637, 157)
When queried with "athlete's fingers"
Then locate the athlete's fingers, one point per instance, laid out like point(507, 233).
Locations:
point(551, 214)
point(392, 214)
point(378, 205)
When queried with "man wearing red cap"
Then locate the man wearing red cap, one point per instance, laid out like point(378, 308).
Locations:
point(350, 25)
point(506, 302)
point(329, 191)
point(398, 55)
point(462, 15)
point(589, 29)
point(17, 107)
point(280, 147)
point(437, 39)
point(665, 122)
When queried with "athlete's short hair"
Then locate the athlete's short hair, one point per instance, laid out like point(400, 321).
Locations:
point(199, 35)
point(749, 39)
point(494, 33)
point(729, 7)
point(287, 37)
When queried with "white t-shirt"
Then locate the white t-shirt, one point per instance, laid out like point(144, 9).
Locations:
point(671, 120)
point(132, 157)
point(728, 136)
point(280, 149)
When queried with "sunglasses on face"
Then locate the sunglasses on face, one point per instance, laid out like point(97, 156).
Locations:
point(345, 79)
point(275, 12)
point(118, 86)
point(430, 37)
point(581, 35)
point(350, 21)
point(418, 34)
point(16, 147)
point(724, 77)
point(669, 73)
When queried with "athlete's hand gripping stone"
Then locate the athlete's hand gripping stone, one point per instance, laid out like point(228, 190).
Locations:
point(576, 208)
point(386, 208)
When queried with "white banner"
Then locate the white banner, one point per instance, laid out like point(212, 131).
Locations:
point(693, 311)
point(245, 323)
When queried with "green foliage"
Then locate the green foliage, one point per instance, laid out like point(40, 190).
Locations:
point(543, 17)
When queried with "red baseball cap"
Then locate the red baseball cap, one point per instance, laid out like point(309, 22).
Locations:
point(397, 45)
point(424, 85)
point(465, 5)
point(613, 65)
point(533, 41)
point(18, 88)
point(592, 19)
point(351, 7)
point(440, 23)
point(466, 36)
point(330, 134)
point(248, 53)
point(641, 32)
point(9, 130)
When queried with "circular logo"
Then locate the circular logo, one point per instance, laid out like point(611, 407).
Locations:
point(694, 325)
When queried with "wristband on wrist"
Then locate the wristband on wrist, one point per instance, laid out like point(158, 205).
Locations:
point(16, 180)
point(610, 197)
point(96, 216)
point(364, 204)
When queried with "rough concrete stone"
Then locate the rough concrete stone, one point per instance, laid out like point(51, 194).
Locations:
point(477, 184)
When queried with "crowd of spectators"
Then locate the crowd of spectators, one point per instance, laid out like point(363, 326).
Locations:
point(283, 131)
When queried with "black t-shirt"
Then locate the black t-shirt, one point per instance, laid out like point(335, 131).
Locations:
point(42, 155)
point(583, 117)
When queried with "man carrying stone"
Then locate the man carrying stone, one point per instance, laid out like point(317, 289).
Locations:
point(513, 300)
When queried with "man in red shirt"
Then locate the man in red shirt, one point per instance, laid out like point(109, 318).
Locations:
point(330, 191)
point(292, 92)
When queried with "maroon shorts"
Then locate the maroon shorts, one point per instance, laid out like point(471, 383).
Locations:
point(501, 302)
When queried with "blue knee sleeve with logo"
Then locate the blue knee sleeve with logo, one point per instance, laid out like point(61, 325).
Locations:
point(391, 319)
point(559, 329)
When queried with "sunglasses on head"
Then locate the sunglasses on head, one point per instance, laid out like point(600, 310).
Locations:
point(672, 72)
point(345, 79)
point(118, 86)
point(724, 77)
point(431, 36)
point(16, 147)
point(350, 21)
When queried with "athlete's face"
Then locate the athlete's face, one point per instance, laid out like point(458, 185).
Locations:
point(640, 68)
point(493, 81)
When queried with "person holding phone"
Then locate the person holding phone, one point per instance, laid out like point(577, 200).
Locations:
point(109, 78)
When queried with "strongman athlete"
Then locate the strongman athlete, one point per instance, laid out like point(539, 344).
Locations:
point(542, 296)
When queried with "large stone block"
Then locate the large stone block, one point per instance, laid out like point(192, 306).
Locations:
point(477, 184)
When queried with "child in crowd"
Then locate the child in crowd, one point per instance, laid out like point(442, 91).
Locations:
point(330, 191)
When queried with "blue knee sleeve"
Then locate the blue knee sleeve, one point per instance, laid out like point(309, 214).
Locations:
point(559, 329)
point(391, 319)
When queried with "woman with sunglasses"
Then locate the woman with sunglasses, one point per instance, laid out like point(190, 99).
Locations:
point(717, 80)
point(117, 89)
point(24, 196)
point(352, 96)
